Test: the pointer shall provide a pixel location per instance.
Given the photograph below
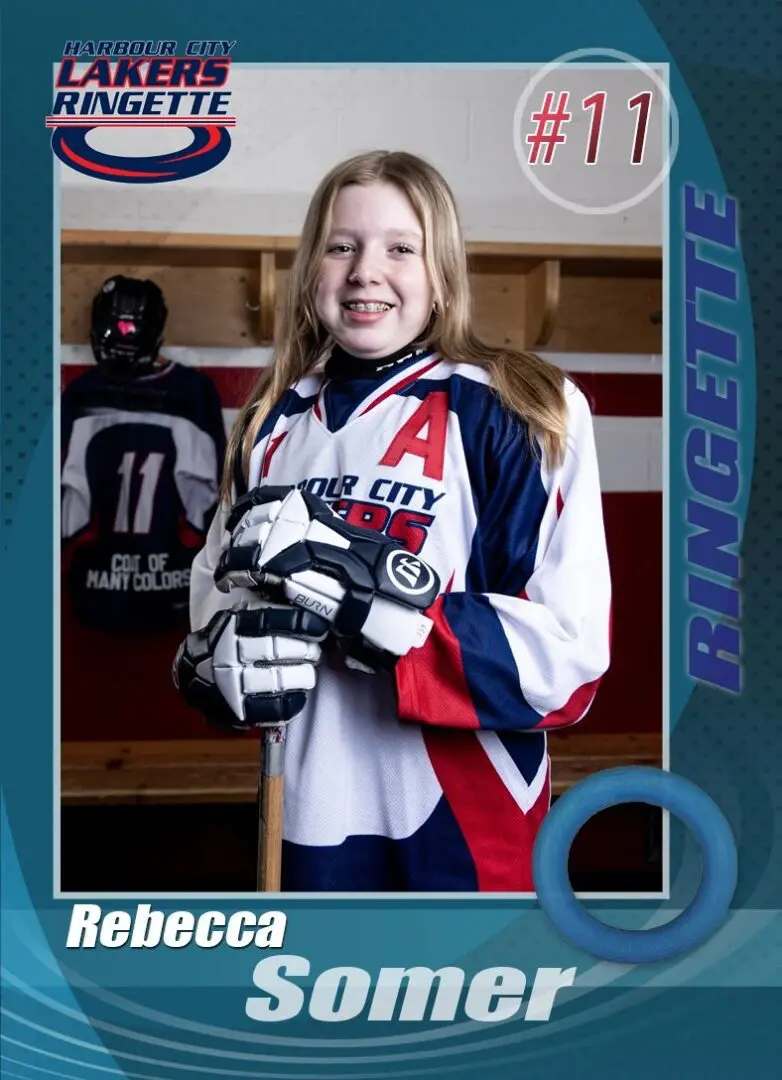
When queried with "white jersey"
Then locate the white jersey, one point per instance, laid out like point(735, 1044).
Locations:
point(436, 777)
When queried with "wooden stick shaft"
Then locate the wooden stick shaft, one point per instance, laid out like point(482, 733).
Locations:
point(270, 810)
point(270, 827)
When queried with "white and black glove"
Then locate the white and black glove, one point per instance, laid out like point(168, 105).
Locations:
point(289, 545)
point(250, 667)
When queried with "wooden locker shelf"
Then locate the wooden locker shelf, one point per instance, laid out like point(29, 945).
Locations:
point(225, 290)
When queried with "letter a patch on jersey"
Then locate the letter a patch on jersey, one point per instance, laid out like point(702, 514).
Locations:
point(432, 415)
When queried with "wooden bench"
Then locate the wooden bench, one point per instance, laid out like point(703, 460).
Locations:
point(226, 770)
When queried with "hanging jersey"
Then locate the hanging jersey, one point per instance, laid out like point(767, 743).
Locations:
point(141, 465)
point(437, 777)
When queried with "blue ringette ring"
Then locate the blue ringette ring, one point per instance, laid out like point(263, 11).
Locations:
point(687, 802)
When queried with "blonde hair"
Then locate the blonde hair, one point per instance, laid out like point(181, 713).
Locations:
point(526, 384)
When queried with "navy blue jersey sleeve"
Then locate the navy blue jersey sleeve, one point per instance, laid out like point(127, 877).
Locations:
point(525, 644)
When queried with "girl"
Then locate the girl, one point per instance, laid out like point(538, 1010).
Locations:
point(429, 510)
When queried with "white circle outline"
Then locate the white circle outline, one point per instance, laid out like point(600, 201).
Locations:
point(394, 556)
point(520, 150)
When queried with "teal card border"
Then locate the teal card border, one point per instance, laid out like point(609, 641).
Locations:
point(173, 1012)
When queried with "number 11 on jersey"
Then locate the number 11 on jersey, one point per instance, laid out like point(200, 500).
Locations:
point(150, 474)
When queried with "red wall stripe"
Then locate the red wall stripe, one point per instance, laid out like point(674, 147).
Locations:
point(610, 395)
point(621, 395)
point(630, 696)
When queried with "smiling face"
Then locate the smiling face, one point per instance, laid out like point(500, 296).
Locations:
point(373, 292)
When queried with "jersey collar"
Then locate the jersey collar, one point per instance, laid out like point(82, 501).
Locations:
point(342, 366)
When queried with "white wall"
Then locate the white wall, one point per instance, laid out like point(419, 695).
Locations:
point(294, 123)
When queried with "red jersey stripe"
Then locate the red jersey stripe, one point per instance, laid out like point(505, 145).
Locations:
point(479, 801)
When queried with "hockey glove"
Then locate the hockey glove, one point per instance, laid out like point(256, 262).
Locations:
point(290, 545)
point(250, 667)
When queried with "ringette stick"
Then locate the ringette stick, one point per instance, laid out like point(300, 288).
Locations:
point(271, 781)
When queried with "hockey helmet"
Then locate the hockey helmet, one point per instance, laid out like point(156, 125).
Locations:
point(128, 318)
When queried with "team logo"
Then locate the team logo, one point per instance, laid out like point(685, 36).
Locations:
point(142, 84)
point(408, 574)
